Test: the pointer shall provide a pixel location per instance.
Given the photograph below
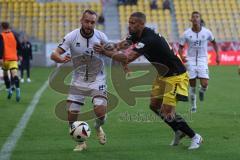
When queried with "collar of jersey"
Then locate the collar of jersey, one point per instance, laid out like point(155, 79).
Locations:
point(87, 37)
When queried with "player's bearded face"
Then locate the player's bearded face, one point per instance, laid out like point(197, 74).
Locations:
point(88, 22)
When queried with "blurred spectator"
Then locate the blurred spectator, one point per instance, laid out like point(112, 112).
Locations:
point(153, 4)
point(127, 2)
point(101, 19)
point(166, 5)
point(26, 57)
point(121, 2)
point(132, 2)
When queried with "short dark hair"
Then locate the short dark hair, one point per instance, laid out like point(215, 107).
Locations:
point(140, 15)
point(196, 12)
point(5, 25)
point(89, 11)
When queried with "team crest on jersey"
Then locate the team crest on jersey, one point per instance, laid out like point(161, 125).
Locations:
point(140, 45)
point(77, 44)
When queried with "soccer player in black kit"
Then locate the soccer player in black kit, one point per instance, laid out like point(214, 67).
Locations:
point(159, 53)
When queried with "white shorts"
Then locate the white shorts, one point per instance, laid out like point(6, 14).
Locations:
point(82, 89)
point(198, 71)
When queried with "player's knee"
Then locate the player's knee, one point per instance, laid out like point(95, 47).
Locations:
point(168, 113)
point(204, 85)
point(99, 101)
point(100, 106)
point(74, 108)
point(15, 78)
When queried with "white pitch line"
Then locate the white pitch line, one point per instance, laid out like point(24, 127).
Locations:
point(11, 141)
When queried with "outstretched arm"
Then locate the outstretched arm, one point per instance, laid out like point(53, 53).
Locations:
point(216, 50)
point(56, 56)
point(180, 52)
point(116, 54)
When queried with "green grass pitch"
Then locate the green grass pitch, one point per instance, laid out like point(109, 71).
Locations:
point(133, 133)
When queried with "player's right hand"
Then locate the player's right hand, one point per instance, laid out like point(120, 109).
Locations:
point(66, 58)
point(1, 62)
point(184, 59)
point(98, 48)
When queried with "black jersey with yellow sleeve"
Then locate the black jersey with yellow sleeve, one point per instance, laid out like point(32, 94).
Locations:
point(157, 50)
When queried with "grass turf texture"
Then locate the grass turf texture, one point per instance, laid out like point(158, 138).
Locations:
point(133, 133)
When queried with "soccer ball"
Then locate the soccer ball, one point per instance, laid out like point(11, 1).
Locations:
point(80, 131)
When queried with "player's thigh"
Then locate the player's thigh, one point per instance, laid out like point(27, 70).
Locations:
point(203, 72)
point(77, 98)
point(99, 96)
point(164, 89)
point(192, 71)
point(193, 82)
point(14, 72)
point(160, 87)
point(98, 92)
point(179, 90)
point(73, 107)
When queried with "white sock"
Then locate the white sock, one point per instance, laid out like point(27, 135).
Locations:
point(193, 97)
point(202, 89)
point(99, 122)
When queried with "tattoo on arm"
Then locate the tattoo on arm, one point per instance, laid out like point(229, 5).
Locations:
point(110, 46)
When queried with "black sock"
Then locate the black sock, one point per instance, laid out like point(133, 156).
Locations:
point(16, 81)
point(178, 123)
point(6, 81)
point(182, 125)
point(171, 124)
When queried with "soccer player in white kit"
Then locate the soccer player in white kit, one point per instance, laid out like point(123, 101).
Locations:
point(196, 58)
point(88, 75)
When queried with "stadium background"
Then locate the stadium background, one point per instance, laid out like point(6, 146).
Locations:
point(47, 21)
point(134, 133)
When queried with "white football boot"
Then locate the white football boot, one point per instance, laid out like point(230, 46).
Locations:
point(101, 136)
point(196, 142)
point(80, 146)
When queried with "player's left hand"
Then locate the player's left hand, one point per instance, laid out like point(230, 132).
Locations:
point(126, 69)
point(20, 58)
point(218, 60)
point(98, 48)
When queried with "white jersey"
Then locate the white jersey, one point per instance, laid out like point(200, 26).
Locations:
point(197, 53)
point(88, 66)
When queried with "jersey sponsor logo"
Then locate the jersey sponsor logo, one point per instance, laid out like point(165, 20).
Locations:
point(77, 44)
point(140, 45)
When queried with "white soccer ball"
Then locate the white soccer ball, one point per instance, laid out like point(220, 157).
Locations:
point(80, 131)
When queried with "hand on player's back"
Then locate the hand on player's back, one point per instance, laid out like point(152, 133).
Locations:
point(98, 48)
